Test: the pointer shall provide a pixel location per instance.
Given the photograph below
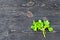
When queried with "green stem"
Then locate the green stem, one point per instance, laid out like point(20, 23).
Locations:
point(44, 32)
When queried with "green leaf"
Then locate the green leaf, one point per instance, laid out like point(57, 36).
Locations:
point(50, 29)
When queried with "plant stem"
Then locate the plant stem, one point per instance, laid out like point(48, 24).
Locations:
point(44, 32)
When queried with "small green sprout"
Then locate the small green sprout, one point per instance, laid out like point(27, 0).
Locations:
point(41, 25)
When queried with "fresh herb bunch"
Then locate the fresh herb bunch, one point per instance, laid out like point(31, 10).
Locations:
point(41, 25)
